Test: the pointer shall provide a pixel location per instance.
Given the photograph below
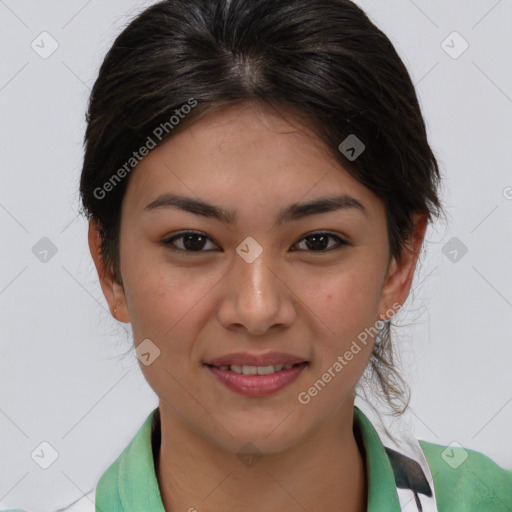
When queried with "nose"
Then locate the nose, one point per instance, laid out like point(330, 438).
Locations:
point(257, 297)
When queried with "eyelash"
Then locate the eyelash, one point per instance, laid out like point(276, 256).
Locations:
point(168, 242)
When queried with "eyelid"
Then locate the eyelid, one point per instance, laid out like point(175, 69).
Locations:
point(341, 237)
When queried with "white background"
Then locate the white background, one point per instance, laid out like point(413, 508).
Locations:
point(63, 379)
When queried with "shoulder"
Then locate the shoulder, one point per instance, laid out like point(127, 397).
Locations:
point(467, 480)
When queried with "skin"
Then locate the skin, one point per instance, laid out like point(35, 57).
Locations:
point(308, 303)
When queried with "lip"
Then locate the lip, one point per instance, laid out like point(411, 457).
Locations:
point(271, 358)
point(257, 385)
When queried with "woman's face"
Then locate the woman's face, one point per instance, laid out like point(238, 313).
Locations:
point(305, 284)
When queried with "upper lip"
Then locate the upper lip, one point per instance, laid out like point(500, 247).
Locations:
point(261, 359)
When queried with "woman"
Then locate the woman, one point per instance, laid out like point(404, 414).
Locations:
point(258, 182)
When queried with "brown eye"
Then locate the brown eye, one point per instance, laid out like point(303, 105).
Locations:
point(191, 242)
point(319, 242)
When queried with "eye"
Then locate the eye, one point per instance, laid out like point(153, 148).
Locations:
point(191, 242)
point(194, 242)
point(318, 242)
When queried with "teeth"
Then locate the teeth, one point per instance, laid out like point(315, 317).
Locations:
point(265, 370)
point(256, 370)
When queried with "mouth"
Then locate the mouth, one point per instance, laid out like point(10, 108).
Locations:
point(257, 381)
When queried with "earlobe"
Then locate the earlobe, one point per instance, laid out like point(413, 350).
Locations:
point(401, 271)
point(112, 290)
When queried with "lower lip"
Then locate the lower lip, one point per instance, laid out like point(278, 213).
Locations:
point(257, 385)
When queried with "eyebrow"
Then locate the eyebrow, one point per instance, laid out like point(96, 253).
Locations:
point(293, 212)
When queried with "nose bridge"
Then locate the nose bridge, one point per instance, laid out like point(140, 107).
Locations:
point(256, 297)
point(254, 277)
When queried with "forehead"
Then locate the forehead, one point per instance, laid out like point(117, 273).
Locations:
point(243, 155)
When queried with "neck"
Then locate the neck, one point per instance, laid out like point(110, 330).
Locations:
point(325, 471)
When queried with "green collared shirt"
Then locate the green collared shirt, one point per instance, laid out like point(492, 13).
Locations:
point(464, 480)
point(477, 485)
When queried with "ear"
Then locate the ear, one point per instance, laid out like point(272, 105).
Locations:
point(112, 290)
point(400, 272)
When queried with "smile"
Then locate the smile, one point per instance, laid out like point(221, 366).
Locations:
point(257, 381)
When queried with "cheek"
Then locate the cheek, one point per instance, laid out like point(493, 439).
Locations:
point(166, 306)
point(344, 301)
point(164, 301)
point(347, 309)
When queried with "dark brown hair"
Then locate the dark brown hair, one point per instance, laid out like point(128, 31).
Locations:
point(321, 59)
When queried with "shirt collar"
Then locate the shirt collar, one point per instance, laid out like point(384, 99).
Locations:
point(381, 480)
point(134, 471)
